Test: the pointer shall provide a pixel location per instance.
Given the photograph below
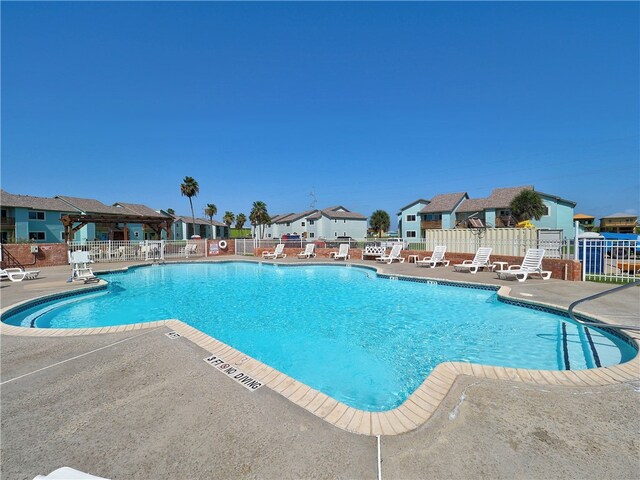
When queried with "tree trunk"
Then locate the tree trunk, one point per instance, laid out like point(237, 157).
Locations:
point(193, 215)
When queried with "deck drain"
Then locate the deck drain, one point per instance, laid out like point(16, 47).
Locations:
point(393, 277)
point(173, 335)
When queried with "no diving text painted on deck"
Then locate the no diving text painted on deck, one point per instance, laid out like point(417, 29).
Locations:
point(242, 378)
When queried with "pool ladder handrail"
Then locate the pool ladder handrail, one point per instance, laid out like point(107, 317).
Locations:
point(598, 295)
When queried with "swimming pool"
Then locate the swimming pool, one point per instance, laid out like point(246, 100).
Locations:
point(366, 341)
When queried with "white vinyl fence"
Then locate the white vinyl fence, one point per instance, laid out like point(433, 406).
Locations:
point(504, 241)
point(148, 250)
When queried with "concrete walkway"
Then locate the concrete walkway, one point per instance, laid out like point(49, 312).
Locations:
point(140, 405)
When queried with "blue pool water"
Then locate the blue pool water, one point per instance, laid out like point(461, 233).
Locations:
point(366, 341)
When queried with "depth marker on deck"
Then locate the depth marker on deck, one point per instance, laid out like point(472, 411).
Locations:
point(233, 373)
point(173, 335)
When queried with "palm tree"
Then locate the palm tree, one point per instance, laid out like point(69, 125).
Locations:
point(259, 216)
point(240, 221)
point(380, 222)
point(189, 188)
point(527, 205)
point(210, 211)
point(228, 218)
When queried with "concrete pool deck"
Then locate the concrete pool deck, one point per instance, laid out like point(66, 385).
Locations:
point(107, 421)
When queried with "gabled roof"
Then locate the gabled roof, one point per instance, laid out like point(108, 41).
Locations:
point(199, 221)
point(336, 213)
point(292, 217)
point(473, 205)
point(280, 216)
point(557, 198)
point(89, 205)
point(502, 197)
point(35, 203)
point(444, 203)
point(621, 215)
point(420, 200)
point(582, 216)
point(139, 209)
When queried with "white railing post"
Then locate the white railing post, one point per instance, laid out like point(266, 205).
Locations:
point(584, 259)
point(575, 240)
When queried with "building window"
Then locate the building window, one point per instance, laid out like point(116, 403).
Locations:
point(344, 221)
point(546, 211)
point(335, 221)
point(269, 236)
point(344, 234)
point(311, 234)
point(411, 234)
point(37, 236)
point(288, 224)
point(411, 218)
point(36, 216)
point(311, 222)
point(335, 234)
point(302, 224)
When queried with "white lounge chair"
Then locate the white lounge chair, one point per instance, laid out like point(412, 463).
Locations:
point(394, 255)
point(437, 257)
point(342, 253)
point(17, 274)
point(531, 264)
point(80, 269)
point(481, 260)
point(309, 251)
point(277, 253)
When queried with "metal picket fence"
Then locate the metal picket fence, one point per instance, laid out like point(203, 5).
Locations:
point(616, 261)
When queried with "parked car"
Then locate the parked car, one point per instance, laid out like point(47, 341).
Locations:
point(390, 242)
point(334, 243)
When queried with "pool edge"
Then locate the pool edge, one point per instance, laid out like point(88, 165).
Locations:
point(416, 410)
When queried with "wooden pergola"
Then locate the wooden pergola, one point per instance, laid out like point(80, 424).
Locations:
point(74, 222)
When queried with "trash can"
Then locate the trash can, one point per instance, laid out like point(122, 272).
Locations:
point(591, 252)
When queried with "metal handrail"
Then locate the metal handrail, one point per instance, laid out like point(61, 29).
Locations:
point(598, 295)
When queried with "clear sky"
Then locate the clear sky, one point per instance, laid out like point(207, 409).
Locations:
point(369, 105)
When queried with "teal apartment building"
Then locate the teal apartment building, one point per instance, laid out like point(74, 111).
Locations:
point(457, 210)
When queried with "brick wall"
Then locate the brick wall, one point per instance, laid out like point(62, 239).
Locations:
point(230, 250)
point(48, 255)
point(557, 267)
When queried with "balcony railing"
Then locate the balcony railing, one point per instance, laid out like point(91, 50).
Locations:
point(8, 221)
point(618, 223)
point(506, 221)
point(431, 224)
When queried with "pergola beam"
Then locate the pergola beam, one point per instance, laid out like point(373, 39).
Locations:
point(157, 224)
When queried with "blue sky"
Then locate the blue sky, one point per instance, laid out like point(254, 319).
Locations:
point(369, 105)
